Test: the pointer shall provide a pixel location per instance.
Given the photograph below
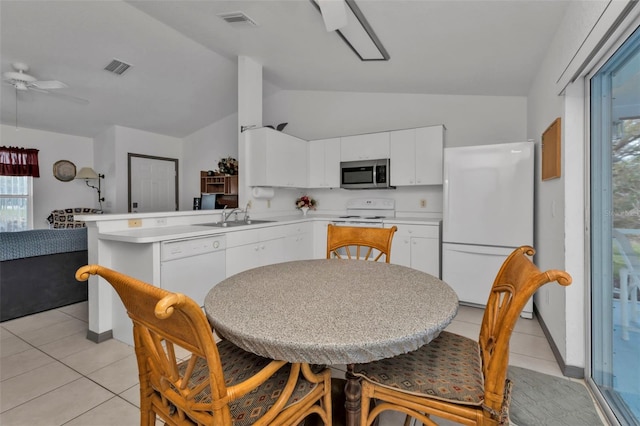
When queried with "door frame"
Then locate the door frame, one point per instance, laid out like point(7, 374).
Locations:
point(131, 155)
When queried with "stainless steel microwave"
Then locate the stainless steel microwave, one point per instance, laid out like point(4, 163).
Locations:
point(365, 174)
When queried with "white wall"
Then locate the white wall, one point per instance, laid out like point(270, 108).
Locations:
point(114, 146)
point(559, 91)
point(469, 120)
point(202, 151)
point(48, 192)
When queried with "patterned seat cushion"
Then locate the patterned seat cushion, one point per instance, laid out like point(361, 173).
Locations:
point(449, 368)
point(239, 365)
point(65, 218)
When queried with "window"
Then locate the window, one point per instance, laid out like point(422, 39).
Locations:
point(16, 203)
point(615, 230)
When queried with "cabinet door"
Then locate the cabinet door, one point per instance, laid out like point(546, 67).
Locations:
point(271, 251)
point(241, 258)
point(428, 155)
point(402, 148)
point(320, 239)
point(401, 250)
point(276, 159)
point(332, 163)
point(317, 161)
point(370, 146)
point(324, 163)
point(425, 255)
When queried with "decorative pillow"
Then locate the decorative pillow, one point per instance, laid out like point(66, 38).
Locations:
point(61, 219)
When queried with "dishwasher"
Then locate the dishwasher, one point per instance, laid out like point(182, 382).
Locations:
point(193, 266)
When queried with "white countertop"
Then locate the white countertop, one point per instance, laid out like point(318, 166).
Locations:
point(163, 233)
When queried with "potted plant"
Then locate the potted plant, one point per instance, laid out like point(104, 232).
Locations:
point(305, 203)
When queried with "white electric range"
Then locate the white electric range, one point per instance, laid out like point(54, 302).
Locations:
point(367, 212)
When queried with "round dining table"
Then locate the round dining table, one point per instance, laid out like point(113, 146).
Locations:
point(331, 311)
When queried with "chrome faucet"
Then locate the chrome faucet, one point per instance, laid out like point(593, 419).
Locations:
point(246, 212)
point(225, 215)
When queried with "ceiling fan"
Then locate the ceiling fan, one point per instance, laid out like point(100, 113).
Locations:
point(22, 81)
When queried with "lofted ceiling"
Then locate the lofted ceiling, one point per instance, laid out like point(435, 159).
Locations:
point(184, 57)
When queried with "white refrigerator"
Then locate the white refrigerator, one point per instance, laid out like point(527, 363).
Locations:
point(487, 213)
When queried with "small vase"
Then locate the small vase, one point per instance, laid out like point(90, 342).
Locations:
point(304, 210)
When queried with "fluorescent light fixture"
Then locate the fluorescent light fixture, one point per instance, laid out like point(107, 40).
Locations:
point(334, 14)
point(357, 32)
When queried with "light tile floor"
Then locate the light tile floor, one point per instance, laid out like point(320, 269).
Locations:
point(51, 375)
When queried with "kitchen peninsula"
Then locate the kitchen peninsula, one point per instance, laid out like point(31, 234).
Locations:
point(189, 251)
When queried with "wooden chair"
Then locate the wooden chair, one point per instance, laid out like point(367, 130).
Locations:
point(213, 384)
point(353, 242)
point(454, 377)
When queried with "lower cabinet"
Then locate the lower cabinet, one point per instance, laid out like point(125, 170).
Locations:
point(417, 246)
point(298, 241)
point(253, 248)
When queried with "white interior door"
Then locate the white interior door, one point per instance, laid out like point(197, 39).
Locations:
point(152, 184)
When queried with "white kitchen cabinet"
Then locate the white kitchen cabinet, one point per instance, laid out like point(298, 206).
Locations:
point(252, 248)
point(416, 156)
point(298, 241)
point(320, 238)
point(324, 163)
point(370, 146)
point(276, 159)
point(416, 246)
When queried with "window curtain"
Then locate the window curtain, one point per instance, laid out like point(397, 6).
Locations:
point(19, 162)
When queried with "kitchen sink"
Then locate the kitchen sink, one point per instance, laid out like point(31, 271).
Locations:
point(234, 223)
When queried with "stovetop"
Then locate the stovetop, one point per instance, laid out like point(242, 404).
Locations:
point(362, 217)
point(370, 209)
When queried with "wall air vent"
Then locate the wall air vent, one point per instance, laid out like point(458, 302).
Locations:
point(238, 19)
point(117, 67)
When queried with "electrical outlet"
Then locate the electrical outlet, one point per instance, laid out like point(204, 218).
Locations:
point(423, 203)
point(161, 221)
point(249, 204)
point(135, 223)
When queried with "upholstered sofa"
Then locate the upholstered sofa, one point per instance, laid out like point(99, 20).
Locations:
point(37, 267)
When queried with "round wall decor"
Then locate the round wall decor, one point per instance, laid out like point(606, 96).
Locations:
point(64, 170)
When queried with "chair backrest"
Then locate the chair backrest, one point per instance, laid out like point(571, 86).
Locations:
point(629, 255)
point(163, 322)
point(515, 283)
point(359, 243)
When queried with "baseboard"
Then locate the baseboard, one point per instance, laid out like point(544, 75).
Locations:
point(567, 370)
point(99, 337)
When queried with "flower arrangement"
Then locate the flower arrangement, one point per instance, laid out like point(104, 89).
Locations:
point(306, 201)
point(228, 166)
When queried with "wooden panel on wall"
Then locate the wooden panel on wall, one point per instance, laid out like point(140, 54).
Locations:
point(551, 151)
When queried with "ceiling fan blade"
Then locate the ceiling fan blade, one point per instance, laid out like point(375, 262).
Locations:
point(48, 85)
point(61, 96)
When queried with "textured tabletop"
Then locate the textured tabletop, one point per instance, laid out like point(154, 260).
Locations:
point(331, 311)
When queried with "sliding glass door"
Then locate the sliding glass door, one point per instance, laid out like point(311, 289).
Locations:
point(615, 231)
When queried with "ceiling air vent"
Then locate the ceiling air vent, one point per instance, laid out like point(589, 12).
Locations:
point(117, 67)
point(238, 19)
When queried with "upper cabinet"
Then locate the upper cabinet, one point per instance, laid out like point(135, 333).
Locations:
point(324, 163)
point(416, 156)
point(370, 146)
point(276, 159)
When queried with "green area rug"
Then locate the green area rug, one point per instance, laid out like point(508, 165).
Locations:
point(541, 399)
